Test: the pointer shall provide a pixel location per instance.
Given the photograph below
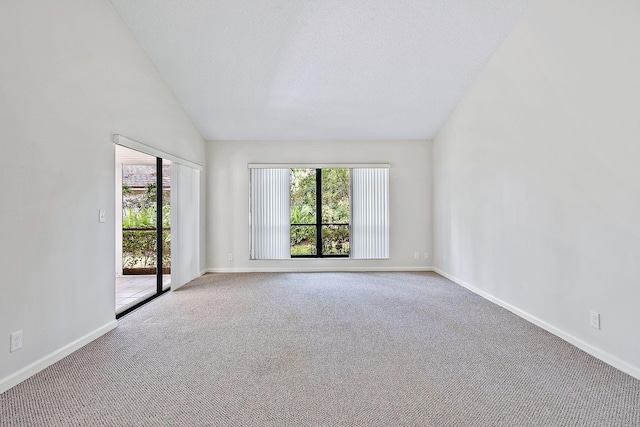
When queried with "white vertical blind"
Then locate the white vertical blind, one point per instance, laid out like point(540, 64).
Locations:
point(185, 224)
point(270, 214)
point(370, 213)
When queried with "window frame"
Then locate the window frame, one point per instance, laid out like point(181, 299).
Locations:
point(319, 224)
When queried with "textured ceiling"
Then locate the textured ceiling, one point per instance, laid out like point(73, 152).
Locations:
point(319, 70)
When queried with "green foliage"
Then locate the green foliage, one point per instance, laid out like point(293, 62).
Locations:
point(303, 240)
point(302, 215)
point(303, 210)
point(335, 196)
point(139, 248)
point(303, 196)
point(303, 250)
point(139, 228)
point(145, 217)
point(145, 199)
point(335, 240)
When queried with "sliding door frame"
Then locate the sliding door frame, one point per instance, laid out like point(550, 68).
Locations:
point(159, 247)
point(159, 155)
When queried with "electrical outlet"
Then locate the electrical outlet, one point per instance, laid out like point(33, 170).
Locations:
point(230, 257)
point(101, 215)
point(426, 255)
point(594, 320)
point(416, 255)
point(16, 341)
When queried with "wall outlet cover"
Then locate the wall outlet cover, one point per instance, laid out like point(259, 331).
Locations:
point(16, 341)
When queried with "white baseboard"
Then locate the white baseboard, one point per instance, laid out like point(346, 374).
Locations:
point(596, 352)
point(313, 269)
point(37, 366)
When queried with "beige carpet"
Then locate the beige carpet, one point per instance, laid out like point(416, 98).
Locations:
point(330, 349)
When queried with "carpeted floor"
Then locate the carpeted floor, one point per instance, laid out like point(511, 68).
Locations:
point(330, 349)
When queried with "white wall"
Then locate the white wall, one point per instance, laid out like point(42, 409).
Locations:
point(228, 200)
point(71, 76)
point(537, 176)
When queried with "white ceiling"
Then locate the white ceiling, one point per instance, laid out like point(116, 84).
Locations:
point(323, 69)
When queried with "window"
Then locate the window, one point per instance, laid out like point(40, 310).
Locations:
point(319, 212)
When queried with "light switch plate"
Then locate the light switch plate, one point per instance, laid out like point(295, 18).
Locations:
point(594, 319)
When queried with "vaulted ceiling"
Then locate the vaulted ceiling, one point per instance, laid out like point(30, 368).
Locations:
point(323, 69)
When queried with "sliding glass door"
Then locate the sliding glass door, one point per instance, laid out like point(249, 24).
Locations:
point(143, 228)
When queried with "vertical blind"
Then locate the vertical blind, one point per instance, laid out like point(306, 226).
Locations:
point(369, 213)
point(270, 214)
point(185, 224)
